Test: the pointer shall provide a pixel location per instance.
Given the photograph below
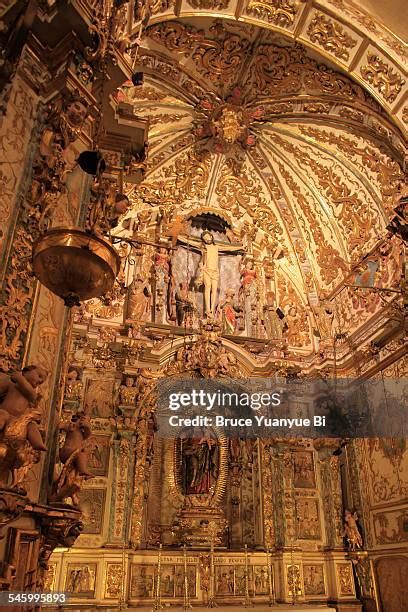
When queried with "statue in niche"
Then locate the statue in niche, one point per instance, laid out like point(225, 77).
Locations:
point(272, 320)
point(163, 281)
point(20, 436)
point(139, 300)
point(351, 531)
point(227, 312)
point(74, 456)
point(73, 387)
point(248, 297)
point(199, 462)
point(185, 305)
point(210, 252)
point(128, 392)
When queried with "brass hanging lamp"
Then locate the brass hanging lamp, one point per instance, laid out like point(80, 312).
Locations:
point(74, 264)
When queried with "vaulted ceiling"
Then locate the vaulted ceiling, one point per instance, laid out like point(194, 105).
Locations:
point(308, 167)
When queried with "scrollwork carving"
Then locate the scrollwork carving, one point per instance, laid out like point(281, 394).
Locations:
point(331, 36)
point(382, 77)
point(279, 12)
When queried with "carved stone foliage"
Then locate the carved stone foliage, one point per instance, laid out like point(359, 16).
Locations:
point(114, 580)
point(217, 58)
point(61, 122)
point(15, 131)
point(59, 530)
point(331, 36)
point(279, 12)
point(12, 505)
point(382, 77)
point(209, 4)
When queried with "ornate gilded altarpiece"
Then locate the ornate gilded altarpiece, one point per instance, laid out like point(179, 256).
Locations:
point(258, 135)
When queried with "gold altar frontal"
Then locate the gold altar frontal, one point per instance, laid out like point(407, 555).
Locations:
point(241, 579)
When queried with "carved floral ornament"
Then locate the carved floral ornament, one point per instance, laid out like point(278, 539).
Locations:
point(331, 36)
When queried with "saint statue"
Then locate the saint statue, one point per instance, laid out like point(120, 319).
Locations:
point(351, 530)
point(227, 312)
point(210, 251)
point(249, 297)
point(199, 463)
point(139, 301)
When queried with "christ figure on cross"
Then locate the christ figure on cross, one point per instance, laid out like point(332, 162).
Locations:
point(210, 251)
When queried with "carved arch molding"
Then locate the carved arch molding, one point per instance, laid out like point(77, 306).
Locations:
point(341, 31)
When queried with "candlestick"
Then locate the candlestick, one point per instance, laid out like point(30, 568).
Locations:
point(187, 604)
point(211, 595)
point(157, 600)
point(270, 579)
point(247, 602)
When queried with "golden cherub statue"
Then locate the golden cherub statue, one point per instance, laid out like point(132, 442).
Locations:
point(351, 531)
point(20, 436)
point(74, 456)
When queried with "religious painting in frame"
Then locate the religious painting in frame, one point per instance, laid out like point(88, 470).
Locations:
point(92, 502)
point(304, 474)
point(261, 579)
point(307, 512)
point(99, 449)
point(313, 578)
point(142, 581)
point(80, 580)
point(224, 580)
point(179, 581)
point(98, 399)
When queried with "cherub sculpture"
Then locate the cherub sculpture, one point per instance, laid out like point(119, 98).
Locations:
point(20, 437)
point(74, 456)
point(351, 531)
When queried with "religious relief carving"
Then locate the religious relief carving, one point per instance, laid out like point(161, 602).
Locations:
point(382, 77)
point(304, 476)
point(307, 511)
point(345, 578)
point(49, 197)
point(313, 576)
point(20, 437)
point(331, 36)
point(74, 457)
point(80, 580)
point(208, 357)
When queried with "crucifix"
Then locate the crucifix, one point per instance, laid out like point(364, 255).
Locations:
point(210, 251)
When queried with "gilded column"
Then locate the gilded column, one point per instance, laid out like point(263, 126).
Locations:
point(331, 493)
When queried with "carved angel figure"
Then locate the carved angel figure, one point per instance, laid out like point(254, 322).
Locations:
point(20, 436)
point(351, 532)
point(74, 456)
